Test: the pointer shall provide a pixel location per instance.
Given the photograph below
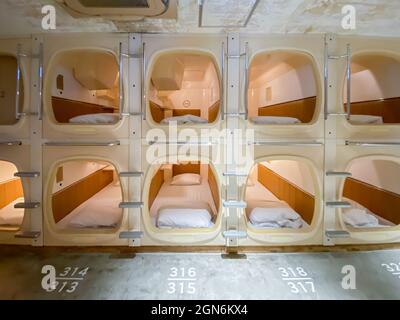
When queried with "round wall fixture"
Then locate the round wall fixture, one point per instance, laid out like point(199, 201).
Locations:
point(186, 103)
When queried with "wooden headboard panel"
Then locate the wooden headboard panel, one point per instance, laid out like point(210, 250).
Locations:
point(213, 112)
point(155, 186)
point(302, 109)
point(65, 109)
point(184, 112)
point(384, 203)
point(388, 109)
point(157, 112)
point(185, 168)
point(71, 197)
point(213, 187)
point(10, 191)
point(299, 200)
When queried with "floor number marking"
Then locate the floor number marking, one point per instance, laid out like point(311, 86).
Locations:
point(182, 280)
point(298, 280)
point(67, 281)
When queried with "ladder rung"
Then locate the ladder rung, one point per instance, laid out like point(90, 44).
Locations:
point(338, 204)
point(27, 205)
point(234, 234)
point(337, 57)
point(337, 114)
point(235, 114)
point(27, 174)
point(337, 234)
point(338, 174)
point(131, 235)
point(235, 204)
point(131, 174)
point(27, 234)
point(127, 205)
point(11, 143)
point(235, 174)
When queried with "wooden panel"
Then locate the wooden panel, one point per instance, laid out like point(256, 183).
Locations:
point(8, 84)
point(213, 112)
point(302, 109)
point(155, 186)
point(185, 168)
point(383, 203)
point(71, 197)
point(299, 200)
point(157, 112)
point(388, 109)
point(10, 191)
point(184, 112)
point(213, 187)
point(65, 109)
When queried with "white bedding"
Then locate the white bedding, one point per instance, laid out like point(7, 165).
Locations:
point(9, 216)
point(97, 118)
point(183, 206)
point(366, 119)
point(100, 211)
point(186, 119)
point(360, 217)
point(265, 211)
point(274, 120)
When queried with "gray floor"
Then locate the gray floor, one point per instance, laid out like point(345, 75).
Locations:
point(199, 276)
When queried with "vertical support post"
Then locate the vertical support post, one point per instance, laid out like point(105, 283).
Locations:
point(36, 186)
point(329, 183)
point(136, 108)
point(232, 107)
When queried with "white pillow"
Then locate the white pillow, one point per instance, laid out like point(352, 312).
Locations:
point(274, 213)
point(184, 218)
point(186, 179)
point(97, 118)
point(357, 217)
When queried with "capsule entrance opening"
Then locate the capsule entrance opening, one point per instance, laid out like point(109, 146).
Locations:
point(8, 86)
point(85, 87)
point(11, 193)
point(373, 192)
point(184, 196)
point(282, 88)
point(375, 96)
point(86, 195)
point(184, 87)
point(280, 194)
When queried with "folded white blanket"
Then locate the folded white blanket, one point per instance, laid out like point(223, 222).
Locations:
point(188, 214)
point(274, 120)
point(186, 119)
point(274, 214)
point(359, 218)
point(9, 216)
point(97, 118)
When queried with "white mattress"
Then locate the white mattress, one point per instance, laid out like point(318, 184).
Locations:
point(9, 216)
point(274, 120)
point(259, 196)
point(97, 118)
point(100, 211)
point(196, 197)
point(366, 119)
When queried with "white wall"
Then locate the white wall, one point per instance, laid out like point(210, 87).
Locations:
point(379, 79)
point(73, 90)
point(292, 85)
point(296, 172)
point(380, 173)
point(201, 94)
point(77, 170)
point(7, 170)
